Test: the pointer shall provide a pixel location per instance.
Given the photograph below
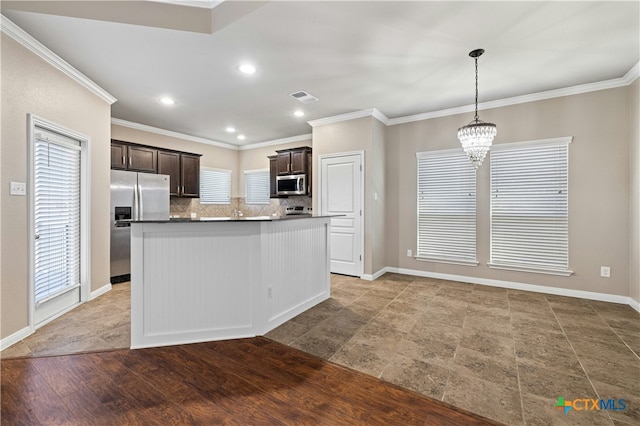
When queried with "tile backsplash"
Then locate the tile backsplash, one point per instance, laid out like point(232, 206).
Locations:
point(183, 207)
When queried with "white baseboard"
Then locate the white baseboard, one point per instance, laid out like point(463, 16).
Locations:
point(27, 331)
point(99, 292)
point(15, 337)
point(375, 276)
point(590, 295)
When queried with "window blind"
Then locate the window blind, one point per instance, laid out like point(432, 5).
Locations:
point(529, 206)
point(446, 207)
point(256, 184)
point(215, 186)
point(57, 215)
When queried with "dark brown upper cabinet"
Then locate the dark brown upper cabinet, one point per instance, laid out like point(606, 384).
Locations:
point(169, 164)
point(190, 175)
point(183, 170)
point(273, 172)
point(118, 156)
point(293, 161)
point(133, 157)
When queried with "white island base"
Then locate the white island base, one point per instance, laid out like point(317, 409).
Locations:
point(200, 281)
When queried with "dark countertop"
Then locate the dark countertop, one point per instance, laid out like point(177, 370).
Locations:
point(228, 219)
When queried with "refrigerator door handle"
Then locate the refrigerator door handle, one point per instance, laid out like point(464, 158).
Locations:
point(137, 202)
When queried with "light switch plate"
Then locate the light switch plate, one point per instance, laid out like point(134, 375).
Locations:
point(18, 188)
point(605, 271)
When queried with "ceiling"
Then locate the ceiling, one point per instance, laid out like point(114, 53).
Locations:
point(403, 58)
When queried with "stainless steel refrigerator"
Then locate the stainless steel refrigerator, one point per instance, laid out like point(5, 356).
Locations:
point(139, 196)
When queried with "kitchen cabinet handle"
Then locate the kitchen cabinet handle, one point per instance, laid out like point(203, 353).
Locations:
point(124, 162)
point(129, 161)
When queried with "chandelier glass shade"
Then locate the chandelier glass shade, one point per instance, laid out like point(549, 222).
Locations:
point(477, 136)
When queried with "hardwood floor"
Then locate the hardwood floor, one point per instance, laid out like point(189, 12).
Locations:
point(246, 382)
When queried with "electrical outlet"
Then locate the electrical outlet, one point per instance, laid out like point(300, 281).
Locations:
point(409, 253)
point(605, 271)
point(269, 292)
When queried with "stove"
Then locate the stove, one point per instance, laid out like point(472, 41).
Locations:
point(297, 210)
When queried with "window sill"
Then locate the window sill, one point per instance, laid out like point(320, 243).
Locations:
point(449, 261)
point(559, 272)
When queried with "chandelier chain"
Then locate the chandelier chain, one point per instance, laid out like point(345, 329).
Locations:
point(476, 60)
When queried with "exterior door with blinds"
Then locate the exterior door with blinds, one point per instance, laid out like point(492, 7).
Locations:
point(57, 223)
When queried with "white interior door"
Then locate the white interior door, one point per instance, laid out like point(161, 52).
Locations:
point(57, 224)
point(341, 194)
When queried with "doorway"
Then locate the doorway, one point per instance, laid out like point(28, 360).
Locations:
point(58, 219)
point(341, 193)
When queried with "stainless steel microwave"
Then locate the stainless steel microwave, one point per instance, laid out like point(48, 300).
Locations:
point(291, 185)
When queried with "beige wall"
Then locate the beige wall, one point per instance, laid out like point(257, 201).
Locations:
point(634, 191)
point(598, 186)
point(30, 85)
point(377, 212)
point(212, 156)
point(350, 136)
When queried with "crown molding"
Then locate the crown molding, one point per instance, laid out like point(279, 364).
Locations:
point(274, 142)
point(380, 117)
point(163, 132)
point(24, 39)
point(203, 4)
point(632, 74)
point(371, 112)
point(628, 78)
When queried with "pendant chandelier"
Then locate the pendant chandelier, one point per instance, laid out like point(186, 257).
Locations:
point(476, 137)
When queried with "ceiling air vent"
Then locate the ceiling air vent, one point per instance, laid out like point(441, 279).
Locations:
point(303, 97)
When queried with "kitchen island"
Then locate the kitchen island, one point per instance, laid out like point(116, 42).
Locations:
point(224, 278)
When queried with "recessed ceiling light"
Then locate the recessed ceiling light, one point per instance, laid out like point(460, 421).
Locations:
point(247, 68)
point(231, 129)
point(241, 137)
point(167, 101)
point(298, 113)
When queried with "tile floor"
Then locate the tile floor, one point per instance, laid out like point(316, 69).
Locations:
point(98, 325)
point(504, 354)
